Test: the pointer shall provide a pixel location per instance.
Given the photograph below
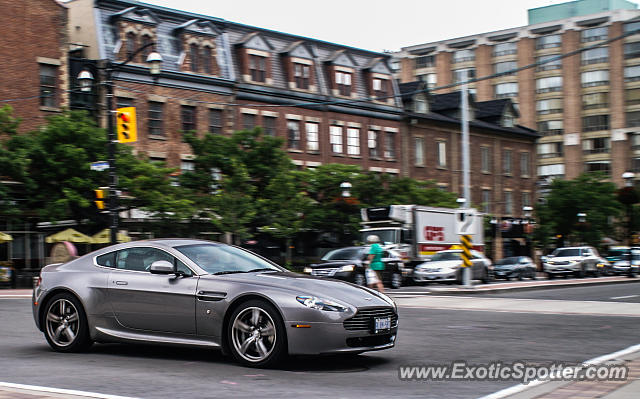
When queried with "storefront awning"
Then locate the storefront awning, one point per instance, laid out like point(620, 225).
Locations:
point(104, 237)
point(70, 235)
point(4, 237)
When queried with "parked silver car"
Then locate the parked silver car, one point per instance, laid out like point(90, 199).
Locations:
point(515, 267)
point(577, 261)
point(194, 292)
point(445, 266)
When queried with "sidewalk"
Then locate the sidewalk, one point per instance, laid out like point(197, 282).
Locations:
point(19, 391)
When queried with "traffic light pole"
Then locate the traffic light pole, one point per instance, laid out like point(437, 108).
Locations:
point(113, 175)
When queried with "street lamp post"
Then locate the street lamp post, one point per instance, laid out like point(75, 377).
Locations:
point(628, 182)
point(105, 79)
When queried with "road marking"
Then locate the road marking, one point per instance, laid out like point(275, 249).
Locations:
point(512, 390)
point(62, 391)
point(624, 297)
point(14, 296)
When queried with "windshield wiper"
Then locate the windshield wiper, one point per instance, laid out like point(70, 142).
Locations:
point(230, 272)
point(262, 269)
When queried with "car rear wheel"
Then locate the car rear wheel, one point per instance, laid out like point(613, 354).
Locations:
point(65, 324)
point(256, 334)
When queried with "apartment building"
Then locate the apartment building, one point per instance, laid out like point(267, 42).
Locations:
point(586, 106)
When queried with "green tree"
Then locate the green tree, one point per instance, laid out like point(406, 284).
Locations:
point(590, 194)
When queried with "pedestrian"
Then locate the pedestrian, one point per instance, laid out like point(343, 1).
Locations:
point(376, 266)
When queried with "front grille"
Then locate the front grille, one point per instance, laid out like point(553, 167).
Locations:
point(363, 319)
point(370, 341)
point(323, 272)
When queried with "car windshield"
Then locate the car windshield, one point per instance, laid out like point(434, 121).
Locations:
point(344, 254)
point(225, 259)
point(446, 256)
point(508, 261)
point(386, 236)
point(566, 252)
point(619, 253)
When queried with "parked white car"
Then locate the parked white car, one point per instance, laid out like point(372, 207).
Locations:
point(445, 266)
point(576, 261)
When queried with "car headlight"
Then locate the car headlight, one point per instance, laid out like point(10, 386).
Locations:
point(320, 304)
point(347, 268)
point(307, 270)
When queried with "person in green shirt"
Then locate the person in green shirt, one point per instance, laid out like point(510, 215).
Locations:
point(376, 266)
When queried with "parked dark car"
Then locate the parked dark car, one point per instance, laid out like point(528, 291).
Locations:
point(515, 267)
point(348, 264)
point(7, 276)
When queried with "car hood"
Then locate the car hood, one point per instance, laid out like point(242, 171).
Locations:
point(564, 259)
point(334, 263)
point(442, 264)
point(300, 284)
point(506, 266)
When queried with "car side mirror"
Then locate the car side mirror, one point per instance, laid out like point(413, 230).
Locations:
point(162, 267)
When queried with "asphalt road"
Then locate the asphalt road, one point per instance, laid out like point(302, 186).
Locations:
point(628, 292)
point(426, 336)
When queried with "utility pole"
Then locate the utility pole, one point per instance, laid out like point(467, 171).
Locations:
point(464, 107)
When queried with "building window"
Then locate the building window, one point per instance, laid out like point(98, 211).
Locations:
point(505, 49)
point(418, 149)
point(372, 143)
point(526, 198)
point(548, 62)
point(595, 34)
point(441, 154)
point(595, 100)
point(390, 145)
point(188, 118)
point(632, 73)
point(301, 75)
point(555, 170)
point(420, 105)
point(550, 150)
point(335, 136)
point(524, 164)
point(505, 67)
point(598, 166)
point(248, 121)
point(431, 79)
point(506, 90)
point(506, 162)
point(546, 85)
point(549, 106)
point(269, 125)
point(464, 55)
point(343, 83)
point(595, 78)
point(131, 44)
point(380, 88)
point(508, 202)
point(486, 201)
point(633, 119)
point(485, 159)
point(124, 102)
point(548, 41)
point(193, 55)
point(48, 81)
point(632, 96)
point(215, 121)
point(595, 122)
point(312, 136)
point(631, 27)
point(635, 165)
point(155, 118)
point(353, 141)
point(464, 74)
point(597, 145)
point(425, 61)
point(206, 60)
point(258, 68)
point(631, 50)
point(293, 135)
point(187, 166)
point(595, 56)
point(550, 128)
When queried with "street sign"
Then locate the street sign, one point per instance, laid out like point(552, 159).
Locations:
point(100, 166)
point(466, 221)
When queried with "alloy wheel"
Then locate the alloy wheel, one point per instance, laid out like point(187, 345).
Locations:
point(253, 334)
point(62, 322)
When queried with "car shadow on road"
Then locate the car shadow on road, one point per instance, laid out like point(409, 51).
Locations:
point(343, 363)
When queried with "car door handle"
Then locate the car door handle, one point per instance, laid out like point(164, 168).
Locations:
point(122, 283)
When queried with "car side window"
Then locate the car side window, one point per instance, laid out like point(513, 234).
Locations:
point(107, 260)
point(141, 258)
point(181, 267)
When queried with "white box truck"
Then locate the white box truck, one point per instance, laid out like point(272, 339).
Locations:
point(417, 232)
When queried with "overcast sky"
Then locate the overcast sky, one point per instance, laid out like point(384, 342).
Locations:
point(369, 24)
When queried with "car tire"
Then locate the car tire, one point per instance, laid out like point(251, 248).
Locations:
point(580, 272)
point(486, 277)
point(550, 276)
point(396, 279)
point(533, 275)
point(520, 276)
point(360, 279)
point(255, 334)
point(65, 324)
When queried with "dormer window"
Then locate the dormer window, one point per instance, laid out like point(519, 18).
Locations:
point(420, 105)
point(131, 44)
point(343, 83)
point(258, 68)
point(508, 120)
point(206, 59)
point(301, 73)
point(380, 89)
point(193, 53)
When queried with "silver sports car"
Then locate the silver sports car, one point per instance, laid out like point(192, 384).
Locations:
point(194, 292)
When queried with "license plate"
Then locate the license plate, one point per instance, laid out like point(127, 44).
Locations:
point(383, 323)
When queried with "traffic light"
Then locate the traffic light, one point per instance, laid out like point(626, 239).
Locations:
point(100, 198)
point(126, 125)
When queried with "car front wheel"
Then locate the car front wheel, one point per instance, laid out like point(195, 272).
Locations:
point(396, 279)
point(65, 324)
point(256, 334)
